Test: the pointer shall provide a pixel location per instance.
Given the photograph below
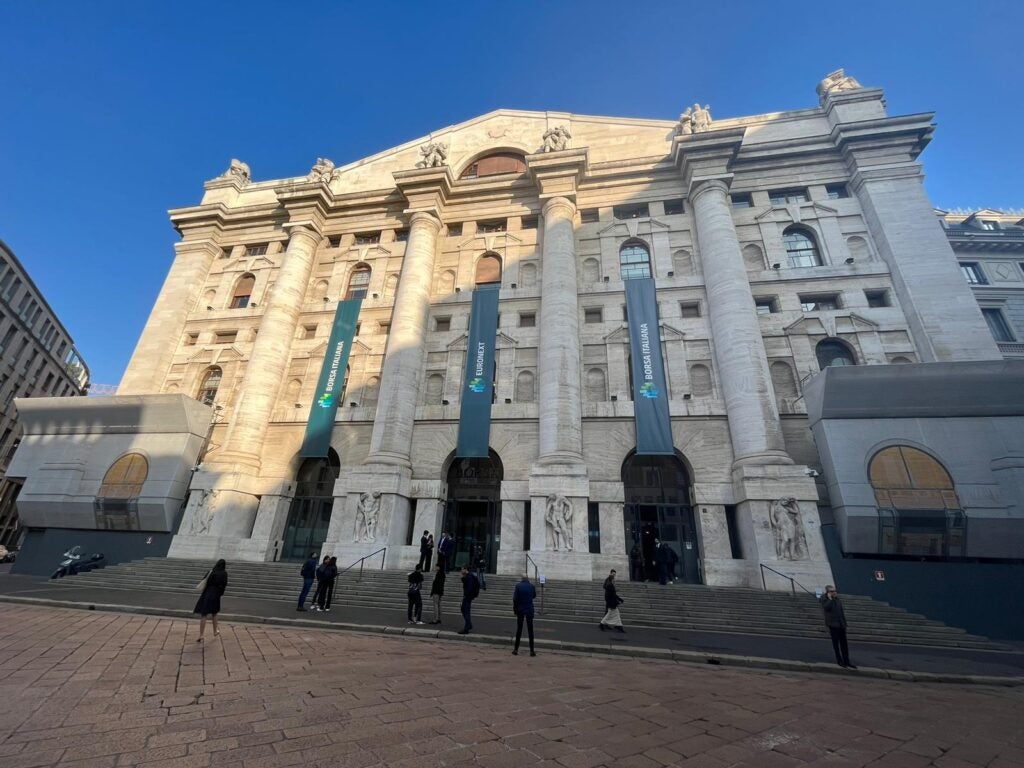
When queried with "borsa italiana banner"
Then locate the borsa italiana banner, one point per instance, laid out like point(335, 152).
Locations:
point(650, 395)
point(330, 387)
point(478, 380)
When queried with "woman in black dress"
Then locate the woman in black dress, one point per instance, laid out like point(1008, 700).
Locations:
point(208, 603)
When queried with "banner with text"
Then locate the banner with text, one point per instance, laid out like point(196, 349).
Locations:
point(650, 395)
point(478, 381)
point(330, 387)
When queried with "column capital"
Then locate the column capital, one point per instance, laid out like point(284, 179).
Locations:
point(554, 204)
point(307, 203)
point(558, 173)
point(705, 156)
point(700, 185)
point(198, 221)
point(425, 189)
point(425, 218)
point(304, 228)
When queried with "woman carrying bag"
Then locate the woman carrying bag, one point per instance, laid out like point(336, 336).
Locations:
point(212, 588)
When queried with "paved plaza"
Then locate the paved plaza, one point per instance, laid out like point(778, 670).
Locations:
point(92, 689)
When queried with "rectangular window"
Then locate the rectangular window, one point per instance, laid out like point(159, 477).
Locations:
point(384, 328)
point(673, 207)
point(239, 302)
point(637, 211)
point(334, 241)
point(997, 324)
point(367, 238)
point(358, 328)
point(258, 249)
point(48, 381)
point(8, 338)
point(625, 313)
point(836, 191)
point(527, 319)
point(690, 308)
point(442, 324)
point(191, 339)
point(819, 303)
point(784, 196)
point(226, 337)
point(225, 253)
point(529, 222)
point(309, 331)
point(741, 200)
point(526, 526)
point(490, 227)
point(766, 305)
point(13, 288)
point(401, 235)
point(594, 527)
point(593, 315)
point(734, 533)
point(972, 273)
point(590, 216)
point(455, 230)
point(877, 298)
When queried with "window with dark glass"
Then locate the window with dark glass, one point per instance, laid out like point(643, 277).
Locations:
point(833, 353)
point(259, 249)
point(590, 216)
point(634, 261)
point(367, 238)
point(801, 247)
point(455, 230)
point(309, 331)
point(765, 306)
point(226, 337)
point(836, 191)
point(637, 211)
point(529, 222)
point(401, 235)
point(495, 165)
point(492, 226)
point(673, 207)
point(211, 383)
point(358, 282)
point(442, 324)
point(784, 196)
point(243, 291)
point(594, 527)
point(592, 315)
point(741, 200)
point(877, 298)
point(689, 308)
point(527, 319)
point(819, 302)
point(226, 253)
point(972, 273)
point(334, 241)
point(997, 324)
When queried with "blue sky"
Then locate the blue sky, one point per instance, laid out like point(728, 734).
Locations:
point(113, 112)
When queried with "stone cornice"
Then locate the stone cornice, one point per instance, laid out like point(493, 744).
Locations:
point(558, 174)
point(425, 189)
point(908, 134)
point(706, 156)
point(307, 203)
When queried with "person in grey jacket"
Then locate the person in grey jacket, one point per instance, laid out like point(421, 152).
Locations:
point(835, 620)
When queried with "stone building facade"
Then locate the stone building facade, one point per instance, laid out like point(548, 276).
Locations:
point(37, 359)
point(989, 245)
point(779, 244)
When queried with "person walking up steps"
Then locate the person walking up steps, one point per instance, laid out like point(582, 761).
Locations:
point(522, 605)
point(612, 601)
point(437, 592)
point(415, 609)
point(470, 592)
point(208, 604)
point(308, 573)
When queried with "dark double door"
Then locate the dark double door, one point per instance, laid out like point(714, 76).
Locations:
point(474, 525)
point(672, 524)
point(308, 521)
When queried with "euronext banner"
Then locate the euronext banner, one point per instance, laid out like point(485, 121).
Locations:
point(329, 388)
point(478, 381)
point(650, 395)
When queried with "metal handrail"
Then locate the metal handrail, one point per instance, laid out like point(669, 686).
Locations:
point(530, 561)
point(362, 560)
point(793, 583)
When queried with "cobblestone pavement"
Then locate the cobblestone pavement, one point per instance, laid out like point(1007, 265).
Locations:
point(93, 689)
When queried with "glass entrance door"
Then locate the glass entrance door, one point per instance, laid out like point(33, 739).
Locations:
point(306, 531)
point(671, 524)
point(473, 525)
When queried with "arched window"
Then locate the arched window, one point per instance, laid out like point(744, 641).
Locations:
point(243, 291)
point(488, 269)
point(525, 392)
point(125, 477)
point(919, 511)
point(211, 383)
point(831, 352)
point(634, 260)
point(527, 275)
point(494, 165)
point(358, 282)
point(801, 247)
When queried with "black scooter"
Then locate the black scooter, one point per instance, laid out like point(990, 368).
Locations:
point(76, 562)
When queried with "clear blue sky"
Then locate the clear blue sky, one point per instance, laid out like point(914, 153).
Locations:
point(113, 112)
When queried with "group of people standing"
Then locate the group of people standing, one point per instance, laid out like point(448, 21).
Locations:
point(326, 575)
point(660, 562)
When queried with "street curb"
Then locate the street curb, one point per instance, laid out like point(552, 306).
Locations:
point(573, 647)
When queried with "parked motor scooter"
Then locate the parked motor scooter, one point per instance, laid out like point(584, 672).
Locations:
point(76, 562)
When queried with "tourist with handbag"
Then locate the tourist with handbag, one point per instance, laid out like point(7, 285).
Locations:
point(211, 590)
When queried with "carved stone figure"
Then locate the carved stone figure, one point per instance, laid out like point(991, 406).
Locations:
point(556, 139)
point(238, 171)
point(435, 154)
point(788, 529)
point(836, 81)
point(685, 127)
point(559, 517)
point(322, 170)
point(202, 515)
point(701, 118)
point(367, 512)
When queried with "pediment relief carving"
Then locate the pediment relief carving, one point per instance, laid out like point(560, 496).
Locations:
point(490, 241)
point(502, 341)
point(321, 349)
point(203, 355)
point(621, 335)
point(795, 213)
point(363, 253)
point(830, 324)
point(228, 354)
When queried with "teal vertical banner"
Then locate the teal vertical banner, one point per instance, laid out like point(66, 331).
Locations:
point(478, 381)
point(329, 388)
point(650, 395)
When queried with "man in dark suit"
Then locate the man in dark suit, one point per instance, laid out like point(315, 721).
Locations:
point(835, 620)
point(445, 550)
point(424, 549)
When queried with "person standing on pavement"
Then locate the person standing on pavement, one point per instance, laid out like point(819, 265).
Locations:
point(661, 559)
point(470, 592)
point(430, 553)
point(522, 605)
point(612, 601)
point(415, 608)
point(480, 564)
point(308, 573)
point(208, 604)
point(835, 620)
point(437, 592)
point(424, 549)
point(332, 578)
point(321, 583)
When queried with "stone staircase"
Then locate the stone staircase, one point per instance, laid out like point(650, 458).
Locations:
point(677, 606)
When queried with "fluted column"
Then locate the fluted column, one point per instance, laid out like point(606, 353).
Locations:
point(558, 364)
point(391, 442)
point(739, 347)
point(262, 383)
point(166, 324)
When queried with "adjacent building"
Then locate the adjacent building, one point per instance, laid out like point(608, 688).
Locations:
point(37, 359)
point(753, 253)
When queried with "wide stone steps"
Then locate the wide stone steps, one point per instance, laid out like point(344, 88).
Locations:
point(681, 607)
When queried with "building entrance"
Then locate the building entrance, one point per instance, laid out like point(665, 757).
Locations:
point(657, 492)
point(310, 514)
point(473, 510)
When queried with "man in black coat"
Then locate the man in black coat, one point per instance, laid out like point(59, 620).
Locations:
point(424, 549)
point(470, 592)
point(308, 572)
point(445, 550)
point(835, 620)
point(661, 558)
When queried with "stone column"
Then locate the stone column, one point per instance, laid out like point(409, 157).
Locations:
point(558, 364)
point(177, 300)
point(391, 442)
point(738, 346)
